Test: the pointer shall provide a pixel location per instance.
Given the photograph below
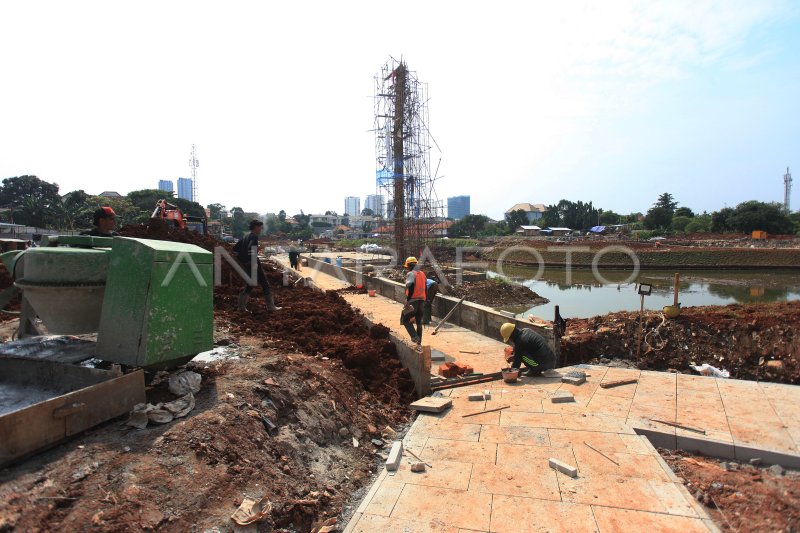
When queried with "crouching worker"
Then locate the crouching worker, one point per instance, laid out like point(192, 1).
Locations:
point(530, 348)
point(431, 288)
point(247, 251)
point(415, 301)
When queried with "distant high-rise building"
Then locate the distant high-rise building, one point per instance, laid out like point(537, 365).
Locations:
point(352, 205)
point(457, 207)
point(185, 189)
point(377, 203)
point(165, 185)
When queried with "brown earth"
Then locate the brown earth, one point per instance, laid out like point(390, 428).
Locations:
point(740, 338)
point(740, 497)
point(314, 369)
point(13, 305)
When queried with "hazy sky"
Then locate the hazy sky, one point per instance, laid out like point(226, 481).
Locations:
point(533, 101)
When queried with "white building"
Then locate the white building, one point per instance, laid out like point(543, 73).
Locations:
point(377, 203)
point(352, 205)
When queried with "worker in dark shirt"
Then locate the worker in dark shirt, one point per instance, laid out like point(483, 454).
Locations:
point(294, 255)
point(246, 252)
point(415, 301)
point(105, 220)
point(530, 348)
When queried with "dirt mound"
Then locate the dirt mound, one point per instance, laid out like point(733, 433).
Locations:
point(493, 293)
point(740, 338)
point(160, 230)
point(740, 497)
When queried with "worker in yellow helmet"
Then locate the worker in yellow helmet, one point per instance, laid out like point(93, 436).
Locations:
point(530, 348)
point(415, 300)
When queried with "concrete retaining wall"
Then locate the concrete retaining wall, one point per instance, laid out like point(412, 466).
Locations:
point(475, 317)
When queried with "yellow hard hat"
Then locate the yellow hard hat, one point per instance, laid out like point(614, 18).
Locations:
point(506, 330)
point(411, 260)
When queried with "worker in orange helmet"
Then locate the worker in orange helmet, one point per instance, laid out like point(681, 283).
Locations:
point(414, 309)
point(105, 220)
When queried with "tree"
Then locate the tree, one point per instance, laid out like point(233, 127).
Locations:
point(302, 219)
point(515, 219)
point(684, 212)
point(658, 218)
point(679, 222)
point(282, 216)
point(754, 215)
point(30, 198)
point(667, 201)
point(127, 213)
point(72, 209)
point(331, 213)
point(719, 220)
point(469, 226)
point(367, 212)
point(699, 223)
point(609, 218)
point(239, 224)
point(216, 211)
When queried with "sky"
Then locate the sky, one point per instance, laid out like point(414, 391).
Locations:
point(610, 102)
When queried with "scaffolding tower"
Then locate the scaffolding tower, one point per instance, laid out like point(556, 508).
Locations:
point(402, 154)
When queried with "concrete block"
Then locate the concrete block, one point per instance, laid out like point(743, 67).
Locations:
point(706, 446)
point(573, 381)
point(395, 456)
point(476, 397)
point(564, 468)
point(418, 467)
point(432, 405)
point(562, 396)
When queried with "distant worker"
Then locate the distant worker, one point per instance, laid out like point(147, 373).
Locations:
point(431, 289)
point(294, 254)
point(415, 301)
point(246, 250)
point(530, 348)
point(105, 220)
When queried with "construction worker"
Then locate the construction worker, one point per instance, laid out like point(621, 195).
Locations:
point(415, 300)
point(530, 348)
point(432, 287)
point(246, 250)
point(105, 220)
point(294, 255)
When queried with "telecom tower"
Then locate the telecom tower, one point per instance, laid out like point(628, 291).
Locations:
point(787, 189)
point(193, 164)
point(402, 153)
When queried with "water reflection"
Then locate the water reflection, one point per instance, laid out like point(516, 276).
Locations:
point(585, 296)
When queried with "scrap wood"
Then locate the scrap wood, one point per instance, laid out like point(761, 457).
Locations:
point(610, 384)
point(486, 411)
point(418, 458)
point(601, 453)
point(469, 351)
point(679, 426)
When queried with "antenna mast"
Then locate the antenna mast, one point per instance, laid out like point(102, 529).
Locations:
point(787, 189)
point(193, 164)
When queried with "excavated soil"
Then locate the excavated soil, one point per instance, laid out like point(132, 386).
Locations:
point(328, 382)
point(740, 497)
point(13, 305)
point(751, 341)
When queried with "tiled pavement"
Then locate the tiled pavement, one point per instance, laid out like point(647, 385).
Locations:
point(490, 472)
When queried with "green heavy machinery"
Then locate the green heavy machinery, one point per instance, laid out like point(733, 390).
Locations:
point(150, 302)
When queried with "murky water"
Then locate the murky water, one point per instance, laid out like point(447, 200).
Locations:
point(584, 296)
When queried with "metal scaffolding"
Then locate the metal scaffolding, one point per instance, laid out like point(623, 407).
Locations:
point(402, 154)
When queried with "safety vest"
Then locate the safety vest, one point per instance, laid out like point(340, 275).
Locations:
point(419, 286)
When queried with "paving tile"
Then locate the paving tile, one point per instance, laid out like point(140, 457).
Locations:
point(610, 405)
point(631, 465)
point(534, 479)
point(576, 407)
point(697, 383)
point(612, 491)
point(597, 422)
point(515, 435)
point(520, 401)
point(538, 456)
point(610, 519)
point(444, 474)
point(528, 515)
point(459, 451)
point(468, 510)
point(637, 444)
point(763, 433)
point(446, 429)
point(456, 416)
point(675, 500)
point(372, 523)
point(603, 441)
point(384, 499)
point(536, 420)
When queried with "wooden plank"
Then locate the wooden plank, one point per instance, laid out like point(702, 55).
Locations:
point(611, 384)
point(432, 405)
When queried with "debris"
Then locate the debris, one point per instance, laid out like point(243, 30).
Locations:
point(679, 426)
point(395, 456)
point(418, 458)
point(377, 443)
point(388, 432)
point(469, 351)
point(755, 461)
point(601, 453)
point(355, 442)
point(775, 364)
point(418, 467)
point(777, 470)
point(432, 405)
point(612, 384)
point(185, 382)
point(455, 369)
point(708, 370)
point(252, 511)
point(486, 411)
point(562, 396)
point(328, 526)
point(159, 416)
point(343, 432)
point(137, 419)
point(476, 397)
point(182, 406)
point(562, 467)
